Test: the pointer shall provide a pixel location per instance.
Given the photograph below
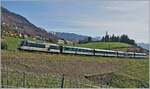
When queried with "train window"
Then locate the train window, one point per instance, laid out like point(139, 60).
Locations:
point(70, 49)
point(85, 50)
point(99, 52)
point(66, 48)
point(23, 43)
point(36, 45)
point(73, 49)
point(54, 47)
point(110, 52)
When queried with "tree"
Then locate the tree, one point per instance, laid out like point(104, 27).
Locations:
point(3, 45)
point(89, 39)
point(132, 42)
point(103, 39)
point(113, 38)
point(123, 38)
point(106, 37)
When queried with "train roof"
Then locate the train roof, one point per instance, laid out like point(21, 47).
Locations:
point(141, 53)
point(84, 48)
point(120, 52)
point(53, 44)
point(78, 47)
point(70, 46)
point(105, 50)
point(38, 42)
point(129, 52)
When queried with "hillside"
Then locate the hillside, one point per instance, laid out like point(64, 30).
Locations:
point(144, 45)
point(15, 23)
point(39, 66)
point(104, 45)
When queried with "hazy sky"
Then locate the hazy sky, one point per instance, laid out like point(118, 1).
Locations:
point(87, 17)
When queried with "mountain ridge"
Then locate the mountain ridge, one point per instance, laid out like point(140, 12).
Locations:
point(71, 36)
point(144, 45)
point(16, 23)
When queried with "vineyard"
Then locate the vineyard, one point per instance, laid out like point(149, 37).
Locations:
point(14, 79)
point(30, 70)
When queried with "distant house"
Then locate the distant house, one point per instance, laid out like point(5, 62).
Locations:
point(12, 34)
point(69, 42)
point(20, 35)
point(61, 41)
point(25, 36)
point(34, 38)
point(38, 37)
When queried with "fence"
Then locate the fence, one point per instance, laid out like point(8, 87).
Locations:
point(14, 79)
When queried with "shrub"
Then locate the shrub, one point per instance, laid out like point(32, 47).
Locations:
point(3, 45)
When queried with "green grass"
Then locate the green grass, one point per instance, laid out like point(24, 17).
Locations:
point(104, 45)
point(12, 42)
point(127, 72)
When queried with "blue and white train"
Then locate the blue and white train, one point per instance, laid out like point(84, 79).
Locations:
point(54, 48)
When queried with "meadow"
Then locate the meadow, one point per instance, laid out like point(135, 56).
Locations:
point(104, 45)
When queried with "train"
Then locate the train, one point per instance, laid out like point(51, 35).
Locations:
point(55, 48)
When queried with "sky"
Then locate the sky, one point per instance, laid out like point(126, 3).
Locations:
point(87, 17)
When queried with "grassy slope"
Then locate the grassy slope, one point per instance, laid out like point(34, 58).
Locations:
point(73, 66)
point(104, 45)
point(12, 42)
